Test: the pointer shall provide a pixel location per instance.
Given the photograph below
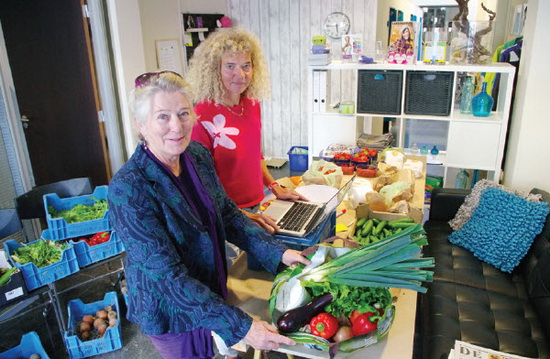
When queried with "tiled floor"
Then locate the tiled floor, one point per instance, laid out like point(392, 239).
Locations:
point(13, 324)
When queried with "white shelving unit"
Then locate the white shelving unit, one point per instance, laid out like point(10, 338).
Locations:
point(465, 141)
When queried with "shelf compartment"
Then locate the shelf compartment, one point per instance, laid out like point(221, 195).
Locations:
point(379, 91)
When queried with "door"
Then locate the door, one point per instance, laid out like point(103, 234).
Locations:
point(49, 52)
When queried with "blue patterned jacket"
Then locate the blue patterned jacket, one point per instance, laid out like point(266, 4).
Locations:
point(170, 270)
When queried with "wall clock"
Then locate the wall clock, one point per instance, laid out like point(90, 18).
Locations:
point(336, 25)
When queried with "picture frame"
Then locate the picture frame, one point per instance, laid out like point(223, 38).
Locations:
point(352, 44)
point(402, 43)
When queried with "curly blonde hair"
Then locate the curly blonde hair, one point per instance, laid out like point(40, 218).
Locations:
point(204, 67)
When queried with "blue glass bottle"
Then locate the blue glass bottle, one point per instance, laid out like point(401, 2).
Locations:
point(482, 104)
point(434, 151)
point(467, 96)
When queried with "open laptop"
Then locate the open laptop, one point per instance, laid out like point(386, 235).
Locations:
point(298, 218)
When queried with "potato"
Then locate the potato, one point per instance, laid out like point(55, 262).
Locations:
point(85, 335)
point(101, 328)
point(98, 321)
point(85, 326)
point(102, 313)
point(88, 319)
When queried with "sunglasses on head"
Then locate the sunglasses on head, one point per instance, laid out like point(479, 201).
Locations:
point(146, 78)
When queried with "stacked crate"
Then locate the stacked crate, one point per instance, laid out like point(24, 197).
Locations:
point(77, 254)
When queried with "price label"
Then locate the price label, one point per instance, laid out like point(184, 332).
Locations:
point(17, 292)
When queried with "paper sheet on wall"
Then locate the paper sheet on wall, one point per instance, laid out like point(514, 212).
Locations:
point(168, 55)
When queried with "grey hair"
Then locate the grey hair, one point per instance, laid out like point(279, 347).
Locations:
point(141, 97)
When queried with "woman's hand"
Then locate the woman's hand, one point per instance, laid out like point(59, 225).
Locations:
point(264, 221)
point(291, 256)
point(264, 336)
point(284, 193)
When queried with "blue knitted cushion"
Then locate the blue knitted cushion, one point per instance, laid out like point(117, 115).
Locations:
point(501, 228)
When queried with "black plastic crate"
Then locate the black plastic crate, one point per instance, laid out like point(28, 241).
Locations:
point(379, 91)
point(429, 93)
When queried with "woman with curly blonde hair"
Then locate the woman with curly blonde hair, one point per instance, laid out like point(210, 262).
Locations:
point(229, 77)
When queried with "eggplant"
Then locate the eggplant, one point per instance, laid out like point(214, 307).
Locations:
point(296, 318)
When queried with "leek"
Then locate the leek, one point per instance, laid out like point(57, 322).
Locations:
point(395, 261)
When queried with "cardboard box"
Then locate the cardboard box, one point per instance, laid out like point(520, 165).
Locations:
point(416, 205)
point(15, 288)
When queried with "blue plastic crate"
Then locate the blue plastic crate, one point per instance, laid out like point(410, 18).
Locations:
point(326, 229)
point(37, 277)
point(112, 340)
point(59, 227)
point(298, 162)
point(30, 344)
point(86, 255)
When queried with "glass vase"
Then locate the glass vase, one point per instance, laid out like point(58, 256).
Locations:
point(482, 104)
point(471, 42)
point(467, 96)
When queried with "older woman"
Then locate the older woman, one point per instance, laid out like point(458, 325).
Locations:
point(173, 216)
point(230, 78)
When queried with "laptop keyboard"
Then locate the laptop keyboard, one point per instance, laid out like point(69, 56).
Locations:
point(297, 216)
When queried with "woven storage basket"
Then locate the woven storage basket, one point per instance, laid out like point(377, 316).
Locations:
point(429, 93)
point(379, 91)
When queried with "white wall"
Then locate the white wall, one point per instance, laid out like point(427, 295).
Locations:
point(128, 56)
point(285, 29)
point(528, 155)
point(169, 27)
point(205, 6)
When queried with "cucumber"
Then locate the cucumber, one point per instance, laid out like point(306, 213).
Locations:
point(401, 220)
point(361, 222)
point(367, 228)
point(379, 227)
point(401, 224)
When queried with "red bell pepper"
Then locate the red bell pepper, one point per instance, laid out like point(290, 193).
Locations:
point(324, 325)
point(362, 324)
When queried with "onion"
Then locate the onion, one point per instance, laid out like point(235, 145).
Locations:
point(112, 315)
point(344, 333)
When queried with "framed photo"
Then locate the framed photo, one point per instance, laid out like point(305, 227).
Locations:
point(402, 46)
point(351, 45)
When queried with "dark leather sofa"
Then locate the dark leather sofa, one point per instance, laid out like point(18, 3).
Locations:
point(472, 301)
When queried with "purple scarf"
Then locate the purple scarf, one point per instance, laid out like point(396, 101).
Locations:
point(199, 200)
point(196, 343)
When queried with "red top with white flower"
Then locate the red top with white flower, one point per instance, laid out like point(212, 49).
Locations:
point(233, 136)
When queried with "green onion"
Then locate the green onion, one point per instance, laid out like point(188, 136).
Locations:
point(395, 261)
